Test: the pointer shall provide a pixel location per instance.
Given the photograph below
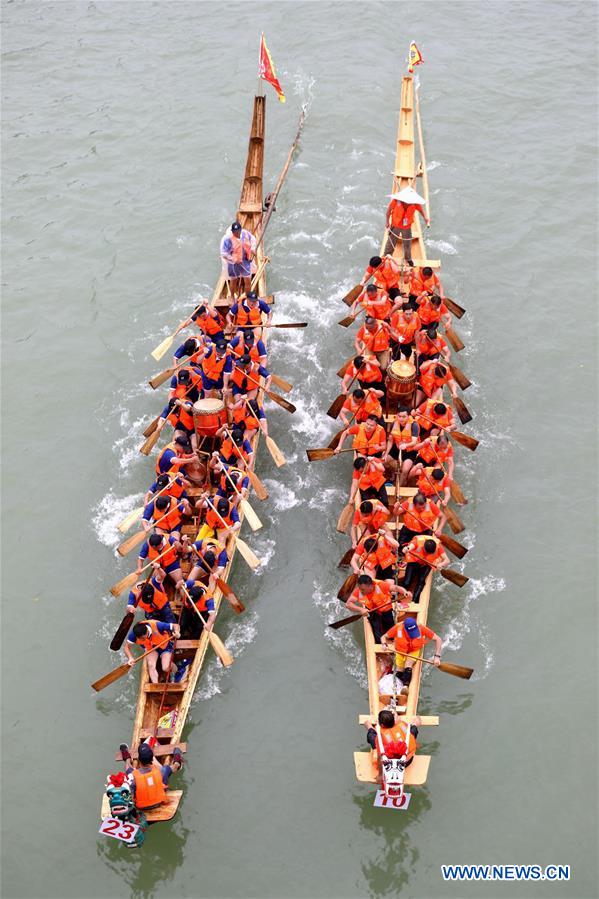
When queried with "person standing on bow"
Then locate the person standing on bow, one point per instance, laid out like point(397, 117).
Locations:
point(237, 249)
point(400, 218)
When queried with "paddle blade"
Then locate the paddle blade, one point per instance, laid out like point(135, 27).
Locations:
point(454, 576)
point(281, 383)
point(157, 380)
point(459, 377)
point(347, 321)
point(454, 340)
point(457, 494)
point(453, 546)
point(291, 325)
point(110, 678)
point(462, 410)
point(353, 295)
point(336, 406)
point(346, 558)
point(230, 595)
point(149, 444)
point(343, 621)
point(454, 307)
point(124, 584)
point(334, 443)
point(317, 455)
point(456, 670)
point(466, 440)
point(259, 488)
point(347, 587)
point(281, 401)
point(220, 649)
point(250, 516)
point(122, 631)
point(344, 367)
point(345, 519)
point(130, 519)
point(127, 545)
point(455, 522)
point(152, 426)
point(159, 351)
point(250, 557)
point(277, 456)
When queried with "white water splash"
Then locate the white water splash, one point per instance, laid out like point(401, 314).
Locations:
point(281, 496)
point(243, 632)
point(330, 609)
point(109, 512)
point(443, 246)
point(466, 622)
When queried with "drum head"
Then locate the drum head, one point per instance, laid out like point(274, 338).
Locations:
point(208, 406)
point(403, 369)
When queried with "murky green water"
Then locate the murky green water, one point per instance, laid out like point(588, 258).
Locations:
point(124, 135)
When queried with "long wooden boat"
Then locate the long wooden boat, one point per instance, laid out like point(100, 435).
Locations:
point(410, 165)
point(156, 700)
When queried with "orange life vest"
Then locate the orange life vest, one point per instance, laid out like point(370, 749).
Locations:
point(369, 445)
point(420, 519)
point(426, 481)
point(402, 434)
point(429, 381)
point(176, 489)
point(153, 639)
point(173, 515)
point(427, 418)
point(241, 248)
point(202, 603)
point(418, 543)
point(248, 316)
point(429, 313)
point(383, 555)
point(170, 555)
point(240, 351)
point(169, 446)
point(210, 323)
point(391, 737)
point(376, 341)
point(405, 329)
point(427, 451)
point(215, 519)
point(213, 365)
point(378, 304)
point(387, 274)
point(243, 416)
point(428, 347)
point(183, 390)
point(370, 477)
point(248, 379)
point(419, 284)
point(379, 599)
point(370, 372)
point(402, 214)
point(181, 415)
point(149, 789)
point(158, 601)
point(363, 408)
point(225, 483)
point(229, 449)
point(376, 519)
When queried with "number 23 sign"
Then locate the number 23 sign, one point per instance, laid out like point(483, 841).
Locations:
point(120, 830)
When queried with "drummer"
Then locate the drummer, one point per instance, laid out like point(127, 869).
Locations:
point(179, 414)
point(367, 371)
point(359, 404)
point(244, 343)
point(248, 416)
point(403, 328)
point(373, 337)
point(245, 379)
point(402, 443)
point(217, 368)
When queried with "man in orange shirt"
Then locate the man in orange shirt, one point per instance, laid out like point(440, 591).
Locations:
point(374, 600)
point(369, 438)
point(373, 337)
point(423, 554)
point(372, 516)
point(359, 404)
point(384, 271)
point(409, 638)
point(369, 478)
point(404, 325)
point(400, 218)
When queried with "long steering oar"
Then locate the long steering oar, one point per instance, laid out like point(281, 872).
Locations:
point(215, 641)
point(119, 672)
point(251, 517)
point(447, 667)
point(260, 489)
point(250, 557)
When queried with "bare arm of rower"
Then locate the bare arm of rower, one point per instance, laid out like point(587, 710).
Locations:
point(356, 608)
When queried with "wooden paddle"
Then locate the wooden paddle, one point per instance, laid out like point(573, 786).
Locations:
point(229, 594)
point(215, 641)
point(446, 667)
point(448, 573)
point(132, 517)
point(346, 558)
point(130, 579)
point(462, 410)
point(456, 373)
point(342, 622)
point(317, 455)
point(249, 556)
point(150, 442)
point(448, 542)
point(287, 325)
point(455, 522)
point(276, 454)
point(159, 351)
point(127, 545)
point(454, 307)
point(350, 298)
point(457, 494)
point(454, 340)
point(119, 672)
point(122, 631)
point(152, 426)
point(260, 489)
point(350, 319)
point(464, 439)
point(163, 376)
point(251, 517)
point(343, 370)
point(281, 383)
point(277, 398)
point(345, 518)
point(337, 404)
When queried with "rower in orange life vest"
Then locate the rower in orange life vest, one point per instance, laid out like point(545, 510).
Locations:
point(431, 345)
point(375, 301)
point(437, 450)
point(173, 484)
point(422, 554)
point(247, 314)
point(369, 438)
point(433, 311)
point(424, 280)
point(186, 384)
point(209, 560)
point(376, 556)
point(404, 325)
point(402, 441)
point(433, 376)
point(221, 519)
point(234, 448)
point(359, 404)
point(371, 516)
point(393, 733)
point(227, 475)
point(245, 344)
point(245, 380)
point(400, 218)
point(150, 597)
point(179, 456)
point(191, 624)
point(408, 638)
point(368, 372)
point(208, 320)
point(248, 416)
point(237, 249)
point(169, 549)
point(169, 512)
point(384, 271)
point(179, 414)
point(193, 347)
point(421, 515)
point(434, 417)
point(148, 781)
point(433, 481)
point(153, 636)
point(374, 600)
point(369, 478)
point(373, 337)
point(217, 368)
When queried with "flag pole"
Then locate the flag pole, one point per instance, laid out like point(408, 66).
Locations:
point(259, 61)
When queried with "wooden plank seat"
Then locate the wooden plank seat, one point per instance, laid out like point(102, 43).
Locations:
point(170, 688)
point(159, 750)
point(425, 720)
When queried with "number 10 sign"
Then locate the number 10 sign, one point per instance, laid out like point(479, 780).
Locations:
point(120, 830)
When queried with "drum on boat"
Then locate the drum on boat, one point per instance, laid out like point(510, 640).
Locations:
point(401, 381)
point(208, 416)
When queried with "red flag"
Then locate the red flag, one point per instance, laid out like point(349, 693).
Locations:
point(266, 69)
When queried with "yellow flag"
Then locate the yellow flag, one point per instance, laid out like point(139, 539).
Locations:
point(414, 57)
